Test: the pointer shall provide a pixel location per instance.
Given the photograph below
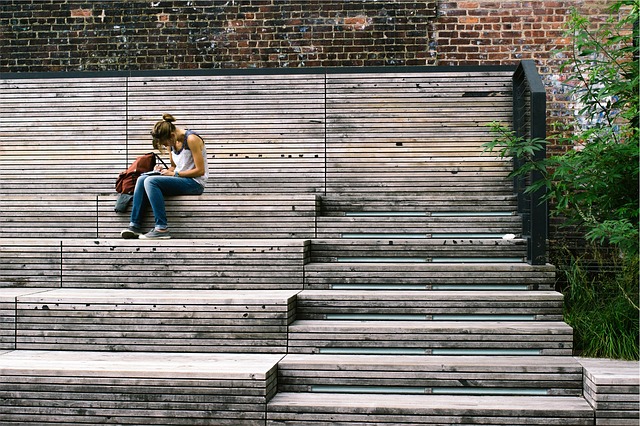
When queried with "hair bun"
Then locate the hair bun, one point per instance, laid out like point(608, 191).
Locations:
point(168, 117)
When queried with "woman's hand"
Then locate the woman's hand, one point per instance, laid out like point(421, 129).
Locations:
point(165, 172)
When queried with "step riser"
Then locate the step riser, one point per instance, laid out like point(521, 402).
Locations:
point(477, 375)
point(168, 264)
point(149, 320)
point(430, 338)
point(429, 306)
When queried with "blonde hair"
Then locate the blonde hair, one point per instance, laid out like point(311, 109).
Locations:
point(162, 131)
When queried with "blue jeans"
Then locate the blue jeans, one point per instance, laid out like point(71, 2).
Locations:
point(151, 190)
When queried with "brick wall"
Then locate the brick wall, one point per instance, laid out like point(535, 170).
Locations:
point(474, 32)
point(58, 35)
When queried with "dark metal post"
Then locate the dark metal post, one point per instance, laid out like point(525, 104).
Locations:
point(529, 121)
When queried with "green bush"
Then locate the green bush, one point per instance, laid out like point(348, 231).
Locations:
point(601, 304)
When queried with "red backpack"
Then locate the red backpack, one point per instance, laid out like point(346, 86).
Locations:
point(126, 182)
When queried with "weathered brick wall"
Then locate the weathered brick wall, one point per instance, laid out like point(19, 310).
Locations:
point(58, 35)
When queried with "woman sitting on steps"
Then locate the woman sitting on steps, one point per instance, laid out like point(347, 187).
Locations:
point(187, 176)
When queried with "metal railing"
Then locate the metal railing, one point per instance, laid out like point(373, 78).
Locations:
point(529, 122)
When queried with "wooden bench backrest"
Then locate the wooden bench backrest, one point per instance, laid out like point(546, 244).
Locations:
point(373, 132)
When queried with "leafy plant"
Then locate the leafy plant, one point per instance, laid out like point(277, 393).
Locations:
point(594, 185)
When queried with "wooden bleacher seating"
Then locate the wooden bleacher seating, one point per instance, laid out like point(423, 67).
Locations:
point(354, 246)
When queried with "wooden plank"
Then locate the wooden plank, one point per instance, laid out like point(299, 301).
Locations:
point(225, 216)
point(417, 249)
point(434, 201)
point(30, 263)
point(494, 227)
point(307, 408)
point(220, 216)
point(612, 387)
point(48, 215)
point(231, 264)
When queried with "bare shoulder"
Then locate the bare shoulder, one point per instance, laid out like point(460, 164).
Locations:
point(195, 141)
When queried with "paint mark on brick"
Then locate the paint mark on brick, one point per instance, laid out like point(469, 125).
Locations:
point(81, 13)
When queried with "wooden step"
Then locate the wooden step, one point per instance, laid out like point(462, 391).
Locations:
point(337, 204)
point(248, 216)
point(48, 387)
point(457, 375)
point(431, 337)
point(429, 276)
point(429, 305)
point(152, 320)
point(422, 248)
point(238, 264)
point(418, 227)
point(360, 409)
point(218, 216)
point(612, 387)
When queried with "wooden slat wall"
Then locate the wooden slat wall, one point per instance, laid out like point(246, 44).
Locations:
point(62, 135)
point(406, 132)
point(264, 133)
point(415, 133)
point(362, 137)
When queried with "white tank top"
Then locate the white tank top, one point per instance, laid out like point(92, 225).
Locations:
point(183, 159)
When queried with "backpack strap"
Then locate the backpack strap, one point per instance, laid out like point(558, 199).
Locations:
point(161, 160)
